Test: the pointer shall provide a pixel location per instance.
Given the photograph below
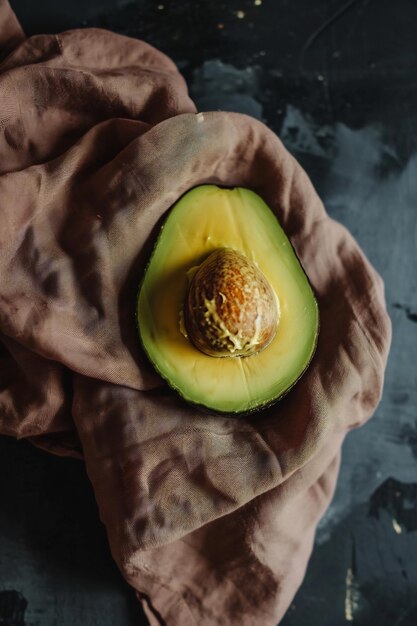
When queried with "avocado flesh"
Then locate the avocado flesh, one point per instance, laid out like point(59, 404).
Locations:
point(205, 219)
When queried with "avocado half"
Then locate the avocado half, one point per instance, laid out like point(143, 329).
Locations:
point(205, 219)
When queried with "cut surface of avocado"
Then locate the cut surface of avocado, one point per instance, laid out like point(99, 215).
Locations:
point(209, 218)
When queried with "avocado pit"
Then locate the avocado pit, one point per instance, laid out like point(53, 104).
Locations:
point(230, 308)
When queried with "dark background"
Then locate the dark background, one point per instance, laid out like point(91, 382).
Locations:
point(338, 82)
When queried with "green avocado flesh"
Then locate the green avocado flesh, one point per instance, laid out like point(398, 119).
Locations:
point(205, 219)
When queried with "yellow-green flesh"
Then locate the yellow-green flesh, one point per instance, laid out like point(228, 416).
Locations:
point(203, 220)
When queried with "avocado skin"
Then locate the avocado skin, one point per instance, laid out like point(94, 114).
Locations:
point(260, 406)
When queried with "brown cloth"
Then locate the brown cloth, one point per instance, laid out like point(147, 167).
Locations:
point(211, 519)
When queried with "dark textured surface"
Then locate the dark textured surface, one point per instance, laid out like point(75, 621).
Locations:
point(337, 81)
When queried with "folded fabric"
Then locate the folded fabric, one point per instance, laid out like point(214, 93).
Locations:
point(211, 519)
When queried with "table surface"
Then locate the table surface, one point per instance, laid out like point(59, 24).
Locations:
point(338, 82)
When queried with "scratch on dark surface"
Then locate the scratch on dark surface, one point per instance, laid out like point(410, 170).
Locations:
point(399, 500)
point(12, 608)
point(352, 595)
point(411, 315)
point(321, 29)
